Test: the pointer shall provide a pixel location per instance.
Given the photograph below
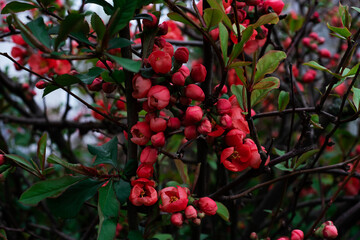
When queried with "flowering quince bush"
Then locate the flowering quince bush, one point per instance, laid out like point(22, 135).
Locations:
point(202, 119)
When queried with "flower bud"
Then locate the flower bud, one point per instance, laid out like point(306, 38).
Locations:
point(145, 171)
point(306, 41)
point(254, 236)
point(330, 231)
point(207, 205)
point(100, 64)
point(160, 62)
point(158, 97)
point(178, 79)
point(149, 155)
point(141, 86)
point(297, 234)
point(184, 70)
point(309, 76)
point(17, 52)
point(204, 127)
point(324, 53)
point(193, 115)
point(196, 221)
point(224, 89)
point(174, 123)
point(2, 159)
point(95, 85)
point(108, 87)
point(190, 212)
point(276, 5)
point(163, 29)
point(177, 219)
point(190, 132)
point(41, 84)
point(226, 121)
point(223, 106)
point(121, 105)
point(194, 92)
point(158, 124)
point(181, 55)
point(314, 36)
point(158, 140)
point(198, 73)
point(160, 42)
point(235, 137)
point(150, 24)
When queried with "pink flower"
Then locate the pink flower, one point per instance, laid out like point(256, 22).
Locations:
point(100, 64)
point(204, 127)
point(238, 120)
point(226, 121)
point(193, 115)
point(148, 155)
point(207, 205)
point(173, 199)
point(160, 62)
point(141, 133)
point(297, 234)
point(330, 231)
point(223, 106)
point(143, 192)
point(60, 66)
point(150, 24)
point(324, 53)
point(198, 73)
point(190, 132)
point(178, 79)
point(309, 76)
point(96, 85)
point(158, 97)
point(141, 86)
point(190, 212)
point(162, 45)
point(181, 55)
point(194, 92)
point(177, 219)
point(184, 70)
point(174, 123)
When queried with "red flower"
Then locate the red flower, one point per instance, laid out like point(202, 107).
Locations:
point(207, 205)
point(160, 61)
point(143, 193)
point(141, 86)
point(297, 234)
point(163, 45)
point(194, 92)
point(141, 133)
point(174, 123)
point(178, 79)
point(148, 155)
point(96, 85)
point(177, 219)
point(39, 64)
point(158, 124)
point(158, 97)
point(158, 140)
point(190, 132)
point(181, 55)
point(204, 127)
point(145, 170)
point(223, 106)
point(102, 109)
point(235, 137)
point(190, 212)
point(309, 76)
point(174, 31)
point(150, 24)
point(193, 115)
point(60, 66)
point(237, 158)
point(198, 73)
point(41, 84)
point(238, 120)
point(276, 5)
point(173, 199)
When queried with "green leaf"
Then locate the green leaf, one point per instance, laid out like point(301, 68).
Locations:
point(305, 157)
point(222, 211)
point(162, 236)
point(240, 73)
point(281, 166)
point(270, 18)
point(15, 7)
point(183, 171)
point(226, 20)
point(119, 43)
point(240, 93)
point(212, 17)
point(238, 64)
point(356, 97)
point(108, 208)
point(106, 153)
point(122, 190)
point(345, 15)
point(268, 63)
point(344, 32)
point(89, 77)
point(267, 83)
point(315, 121)
point(39, 30)
point(224, 40)
point(124, 12)
point(98, 26)
point(41, 150)
point(238, 48)
point(356, 9)
point(259, 94)
point(47, 188)
point(108, 9)
point(71, 23)
point(3, 234)
point(178, 18)
point(68, 204)
point(143, 16)
point(317, 66)
point(128, 64)
point(278, 152)
point(62, 80)
point(23, 163)
point(73, 167)
point(352, 71)
point(283, 100)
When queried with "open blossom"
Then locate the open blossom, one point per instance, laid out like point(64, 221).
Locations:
point(173, 199)
point(143, 192)
point(239, 120)
point(235, 137)
point(276, 5)
point(141, 133)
